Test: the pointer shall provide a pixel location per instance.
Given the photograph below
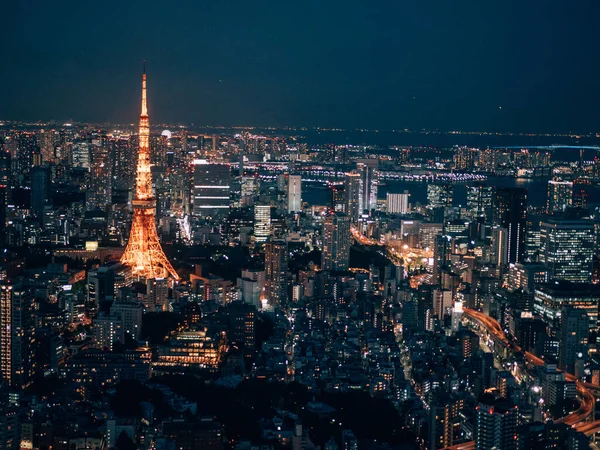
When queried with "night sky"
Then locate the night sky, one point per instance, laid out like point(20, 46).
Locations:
point(523, 65)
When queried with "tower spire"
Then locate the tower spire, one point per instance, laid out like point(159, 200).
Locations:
point(144, 253)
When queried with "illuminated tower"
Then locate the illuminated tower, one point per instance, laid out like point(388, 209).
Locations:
point(144, 254)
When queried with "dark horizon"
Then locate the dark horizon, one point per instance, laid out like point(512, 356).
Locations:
point(489, 67)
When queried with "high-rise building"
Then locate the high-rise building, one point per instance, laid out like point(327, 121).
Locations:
point(549, 300)
point(479, 201)
point(510, 212)
point(574, 333)
point(353, 191)
point(157, 291)
point(499, 247)
point(211, 189)
point(262, 222)
point(439, 195)
point(5, 168)
point(242, 325)
point(294, 191)
point(17, 334)
point(276, 272)
point(336, 242)
point(567, 249)
point(40, 187)
point(397, 203)
point(144, 253)
point(443, 412)
point(27, 146)
point(560, 196)
point(338, 197)
point(370, 184)
point(101, 165)
point(129, 312)
point(495, 425)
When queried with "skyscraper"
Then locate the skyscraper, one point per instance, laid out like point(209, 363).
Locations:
point(567, 248)
point(560, 196)
point(336, 242)
point(479, 201)
point(144, 253)
point(370, 183)
point(276, 270)
point(17, 334)
point(262, 222)
point(439, 195)
point(353, 191)
point(397, 203)
point(294, 190)
point(574, 333)
point(40, 186)
point(211, 189)
point(101, 165)
point(510, 212)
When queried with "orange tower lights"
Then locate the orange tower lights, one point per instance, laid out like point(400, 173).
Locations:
point(143, 253)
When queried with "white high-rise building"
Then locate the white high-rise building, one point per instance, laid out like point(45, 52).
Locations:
point(262, 222)
point(397, 203)
point(294, 190)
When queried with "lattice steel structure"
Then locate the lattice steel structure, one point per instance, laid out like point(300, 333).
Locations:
point(143, 253)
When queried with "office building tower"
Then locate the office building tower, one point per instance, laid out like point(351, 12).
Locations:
point(5, 168)
point(370, 183)
point(17, 334)
point(510, 212)
point(353, 191)
point(250, 291)
point(439, 195)
point(495, 424)
point(99, 195)
point(499, 247)
point(336, 242)
point(27, 146)
point(40, 188)
point(560, 196)
point(338, 197)
point(129, 311)
point(276, 273)
point(397, 203)
point(250, 188)
point(574, 333)
point(211, 189)
point(80, 155)
point(479, 202)
point(107, 331)
point(294, 191)
point(242, 325)
point(157, 291)
point(549, 299)
point(144, 254)
point(567, 249)
point(262, 223)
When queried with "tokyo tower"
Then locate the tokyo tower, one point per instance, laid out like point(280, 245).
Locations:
point(143, 253)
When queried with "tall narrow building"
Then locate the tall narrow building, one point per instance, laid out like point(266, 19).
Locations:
point(560, 196)
point(353, 191)
point(336, 242)
point(17, 335)
point(144, 253)
point(211, 189)
point(294, 190)
point(510, 212)
point(276, 271)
